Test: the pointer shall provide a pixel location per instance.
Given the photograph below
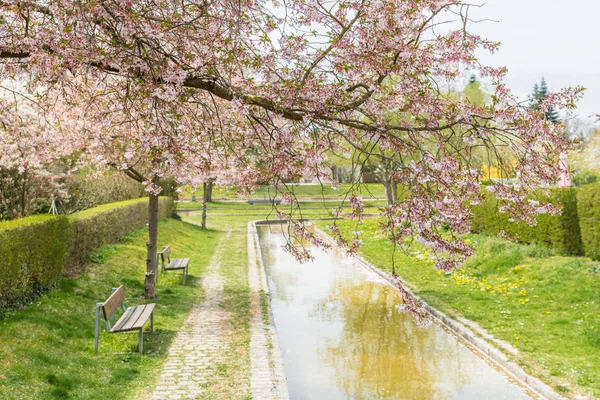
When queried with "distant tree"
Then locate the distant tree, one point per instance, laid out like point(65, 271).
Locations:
point(474, 93)
point(343, 168)
point(383, 165)
point(578, 128)
point(586, 155)
point(540, 92)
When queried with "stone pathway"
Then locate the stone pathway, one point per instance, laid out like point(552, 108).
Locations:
point(200, 344)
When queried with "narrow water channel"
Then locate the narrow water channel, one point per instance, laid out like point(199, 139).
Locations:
point(342, 338)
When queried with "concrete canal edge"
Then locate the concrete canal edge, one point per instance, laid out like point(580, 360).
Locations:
point(268, 380)
point(481, 346)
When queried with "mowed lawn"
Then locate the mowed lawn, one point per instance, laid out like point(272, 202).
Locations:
point(46, 350)
point(545, 305)
point(302, 209)
point(312, 191)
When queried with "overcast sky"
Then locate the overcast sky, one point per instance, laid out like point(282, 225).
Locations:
point(556, 39)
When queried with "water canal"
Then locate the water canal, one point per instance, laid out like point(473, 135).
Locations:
point(342, 338)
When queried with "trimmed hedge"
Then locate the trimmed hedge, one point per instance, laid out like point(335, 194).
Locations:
point(561, 232)
point(106, 224)
point(37, 250)
point(588, 206)
point(33, 253)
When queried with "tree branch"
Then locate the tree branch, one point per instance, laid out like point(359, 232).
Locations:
point(14, 54)
point(230, 93)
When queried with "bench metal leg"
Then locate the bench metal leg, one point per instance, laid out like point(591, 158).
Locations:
point(152, 322)
point(97, 331)
point(141, 346)
point(185, 274)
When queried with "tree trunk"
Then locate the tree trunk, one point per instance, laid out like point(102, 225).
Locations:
point(389, 196)
point(387, 184)
point(23, 194)
point(205, 201)
point(152, 244)
point(394, 187)
point(208, 189)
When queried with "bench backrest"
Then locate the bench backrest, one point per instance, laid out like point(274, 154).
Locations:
point(165, 254)
point(114, 302)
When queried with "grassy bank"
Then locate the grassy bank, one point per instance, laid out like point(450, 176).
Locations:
point(316, 191)
point(547, 306)
point(46, 350)
point(303, 209)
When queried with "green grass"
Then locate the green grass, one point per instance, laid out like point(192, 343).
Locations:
point(46, 350)
point(304, 209)
point(316, 191)
point(547, 306)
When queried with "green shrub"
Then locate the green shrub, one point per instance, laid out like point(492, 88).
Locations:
point(581, 178)
point(106, 224)
point(560, 232)
point(36, 250)
point(588, 199)
point(33, 253)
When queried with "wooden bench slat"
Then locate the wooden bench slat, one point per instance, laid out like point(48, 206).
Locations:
point(148, 309)
point(113, 302)
point(139, 317)
point(136, 318)
point(123, 320)
point(137, 312)
point(178, 263)
point(184, 262)
point(174, 264)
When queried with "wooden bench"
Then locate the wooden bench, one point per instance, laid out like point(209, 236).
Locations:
point(174, 264)
point(133, 318)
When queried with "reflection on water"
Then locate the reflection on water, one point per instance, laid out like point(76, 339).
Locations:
point(342, 338)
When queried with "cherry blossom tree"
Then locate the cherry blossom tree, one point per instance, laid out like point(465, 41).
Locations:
point(25, 136)
point(263, 89)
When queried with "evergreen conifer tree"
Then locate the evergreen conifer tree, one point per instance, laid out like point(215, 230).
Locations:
point(539, 94)
point(535, 98)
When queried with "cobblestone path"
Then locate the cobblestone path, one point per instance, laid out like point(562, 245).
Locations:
point(204, 346)
point(200, 344)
